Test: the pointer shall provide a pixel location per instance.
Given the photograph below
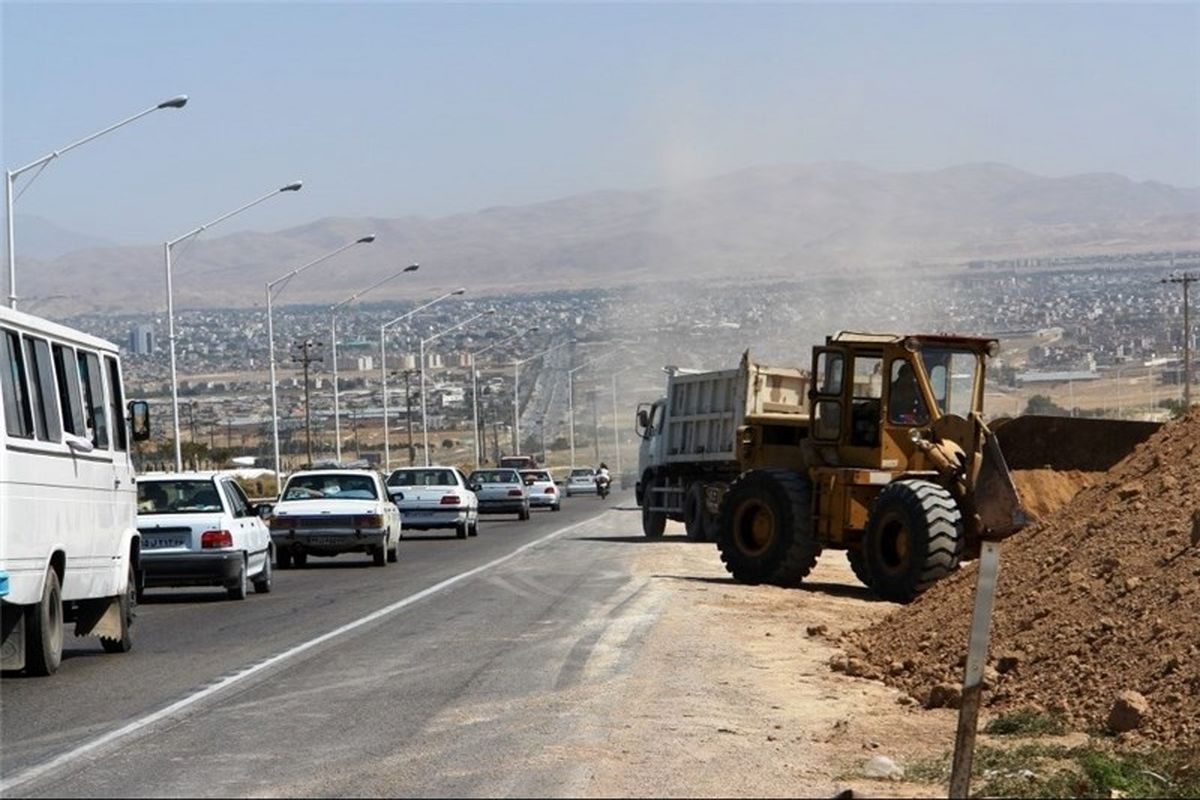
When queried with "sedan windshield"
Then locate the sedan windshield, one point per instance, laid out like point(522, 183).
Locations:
point(178, 497)
point(540, 477)
point(422, 477)
point(330, 487)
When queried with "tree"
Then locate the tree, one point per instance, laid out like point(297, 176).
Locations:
point(1042, 404)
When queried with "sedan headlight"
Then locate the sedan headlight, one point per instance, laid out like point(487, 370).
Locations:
point(368, 521)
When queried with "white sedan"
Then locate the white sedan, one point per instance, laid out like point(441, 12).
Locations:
point(542, 491)
point(199, 529)
point(326, 512)
point(435, 497)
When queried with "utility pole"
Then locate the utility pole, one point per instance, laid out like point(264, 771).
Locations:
point(354, 432)
point(595, 424)
point(305, 357)
point(1186, 280)
point(412, 450)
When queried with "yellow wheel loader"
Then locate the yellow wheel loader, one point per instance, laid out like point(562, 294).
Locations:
point(895, 465)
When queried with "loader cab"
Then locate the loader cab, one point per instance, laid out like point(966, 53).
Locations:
point(872, 391)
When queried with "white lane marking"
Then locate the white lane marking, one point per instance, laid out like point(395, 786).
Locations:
point(41, 770)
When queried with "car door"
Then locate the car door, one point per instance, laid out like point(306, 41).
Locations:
point(245, 526)
point(464, 486)
point(391, 511)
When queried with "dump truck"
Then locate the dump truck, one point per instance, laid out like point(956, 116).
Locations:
point(882, 452)
point(691, 438)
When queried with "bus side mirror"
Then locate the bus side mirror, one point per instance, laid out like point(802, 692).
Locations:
point(139, 420)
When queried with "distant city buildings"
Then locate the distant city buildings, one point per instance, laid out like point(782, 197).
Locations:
point(142, 340)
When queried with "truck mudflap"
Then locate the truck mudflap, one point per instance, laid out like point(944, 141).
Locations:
point(996, 500)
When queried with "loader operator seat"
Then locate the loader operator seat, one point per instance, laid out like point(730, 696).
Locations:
point(864, 422)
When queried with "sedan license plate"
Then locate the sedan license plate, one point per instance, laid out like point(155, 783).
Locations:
point(160, 542)
point(326, 540)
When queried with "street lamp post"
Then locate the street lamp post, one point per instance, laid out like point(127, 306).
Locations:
point(571, 394)
point(387, 449)
point(337, 421)
point(178, 101)
point(475, 384)
point(291, 187)
point(517, 392)
point(283, 282)
point(616, 427)
point(439, 334)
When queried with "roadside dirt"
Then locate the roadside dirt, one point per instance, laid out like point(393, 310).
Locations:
point(733, 694)
point(1098, 600)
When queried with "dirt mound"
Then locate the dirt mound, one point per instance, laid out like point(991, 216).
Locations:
point(1099, 599)
point(1045, 491)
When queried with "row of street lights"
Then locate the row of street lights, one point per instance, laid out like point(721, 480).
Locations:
point(273, 288)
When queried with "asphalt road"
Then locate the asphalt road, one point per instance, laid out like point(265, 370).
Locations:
point(444, 684)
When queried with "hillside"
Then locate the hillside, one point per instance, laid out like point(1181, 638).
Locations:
point(780, 221)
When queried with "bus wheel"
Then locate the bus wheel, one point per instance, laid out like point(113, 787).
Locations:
point(44, 629)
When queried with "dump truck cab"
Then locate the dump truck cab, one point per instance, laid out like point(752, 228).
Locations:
point(896, 466)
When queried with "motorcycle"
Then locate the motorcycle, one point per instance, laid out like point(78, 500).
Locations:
point(602, 486)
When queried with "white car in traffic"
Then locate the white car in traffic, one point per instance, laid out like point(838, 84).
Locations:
point(326, 512)
point(582, 480)
point(543, 493)
point(199, 529)
point(435, 497)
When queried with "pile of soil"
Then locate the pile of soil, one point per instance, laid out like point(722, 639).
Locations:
point(1099, 599)
point(1045, 491)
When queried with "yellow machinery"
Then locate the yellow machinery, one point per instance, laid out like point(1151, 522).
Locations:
point(895, 465)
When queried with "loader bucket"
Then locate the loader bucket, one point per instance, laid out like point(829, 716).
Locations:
point(996, 500)
point(1068, 443)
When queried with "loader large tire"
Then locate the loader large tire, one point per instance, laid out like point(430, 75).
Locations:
point(694, 513)
point(766, 530)
point(858, 563)
point(914, 538)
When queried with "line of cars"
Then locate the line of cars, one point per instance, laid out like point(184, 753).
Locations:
point(200, 528)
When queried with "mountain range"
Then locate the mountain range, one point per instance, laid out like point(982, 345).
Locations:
point(788, 221)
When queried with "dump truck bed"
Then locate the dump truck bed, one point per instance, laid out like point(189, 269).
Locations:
point(705, 409)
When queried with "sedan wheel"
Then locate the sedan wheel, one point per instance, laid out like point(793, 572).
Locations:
point(238, 590)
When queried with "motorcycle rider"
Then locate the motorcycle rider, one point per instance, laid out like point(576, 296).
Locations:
point(603, 480)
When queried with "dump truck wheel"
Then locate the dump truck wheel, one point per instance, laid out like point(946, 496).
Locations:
point(914, 538)
point(766, 531)
point(858, 563)
point(653, 522)
point(694, 513)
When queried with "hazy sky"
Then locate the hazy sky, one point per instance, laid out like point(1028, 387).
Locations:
point(393, 109)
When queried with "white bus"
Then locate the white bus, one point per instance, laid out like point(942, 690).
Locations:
point(68, 540)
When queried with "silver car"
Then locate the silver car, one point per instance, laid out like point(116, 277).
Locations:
point(581, 481)
point(500, 491)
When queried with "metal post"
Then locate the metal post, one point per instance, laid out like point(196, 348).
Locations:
point(274, 391)
point(616, 435)
point(337, 420)
point(412, 453)
point(171, 342)
point(12, 250)
point(1187, 347)
point(968, 714)
point(475, 410)
point(387, 449)
point(516, 408)
point(424, 418)
point(571, 411)
point(595, 425)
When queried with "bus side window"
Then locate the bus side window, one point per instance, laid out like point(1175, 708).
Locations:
point(93, 396)
point(67, 372)
point(18, 419)
point(116, 404)
point(43, 394)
